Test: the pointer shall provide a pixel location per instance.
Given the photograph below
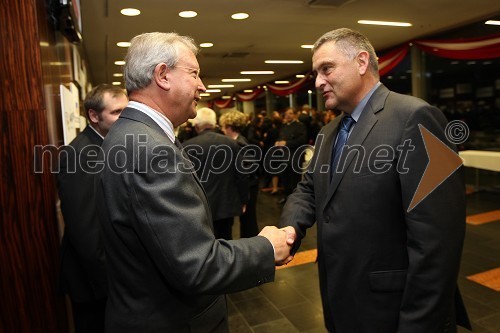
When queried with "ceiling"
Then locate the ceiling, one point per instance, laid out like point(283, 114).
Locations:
point(275, 30)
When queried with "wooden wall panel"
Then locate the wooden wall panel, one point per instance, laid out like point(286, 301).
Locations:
point(29, 256)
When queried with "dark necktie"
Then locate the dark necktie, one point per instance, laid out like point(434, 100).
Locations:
point(345, 125)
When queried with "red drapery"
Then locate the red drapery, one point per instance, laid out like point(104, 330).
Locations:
point(223, 103)
point(284, 90)
point(250, 96)
point(390, 60)
point(470, 48)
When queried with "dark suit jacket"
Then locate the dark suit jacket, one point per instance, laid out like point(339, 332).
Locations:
point(83, 264)
point(295, 135)
point(383, 269)
point(166, 270)
point(215, 158)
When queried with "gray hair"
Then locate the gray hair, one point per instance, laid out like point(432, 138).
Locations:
point(350, 43)
point(148, 50)
point(205, 116)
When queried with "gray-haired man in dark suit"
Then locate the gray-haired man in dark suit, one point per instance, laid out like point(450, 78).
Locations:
point(167, 272)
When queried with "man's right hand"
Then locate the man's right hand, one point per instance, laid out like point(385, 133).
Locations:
point(282, 241)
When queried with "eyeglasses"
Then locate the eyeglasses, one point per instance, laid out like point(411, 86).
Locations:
point(195, 72)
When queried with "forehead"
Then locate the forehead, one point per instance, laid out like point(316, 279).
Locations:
point(326, 53)
point(110, 100)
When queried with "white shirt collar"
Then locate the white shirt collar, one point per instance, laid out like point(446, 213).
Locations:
point(159, 118)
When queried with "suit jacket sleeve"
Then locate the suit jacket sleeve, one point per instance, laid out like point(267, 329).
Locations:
point(435, 232)
point(174, 224)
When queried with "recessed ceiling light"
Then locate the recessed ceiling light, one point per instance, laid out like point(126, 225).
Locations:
point(221, 86)
point(236, 80)
point(123, 44)
point(299, 76)
point(213, 90)
point(307, 46)
point(206, 44)
point(256, 72)
point(120, 62)
point(240, 16)
point(492, 22)
point(204, 94)
point(281, 82)
point(248, 90)
point(116, 83)
point(284, 62)
point(394, 24)
point(188, 14)
point(130, 11)
point(117, 74)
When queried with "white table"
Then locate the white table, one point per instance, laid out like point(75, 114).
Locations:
point(481, 159)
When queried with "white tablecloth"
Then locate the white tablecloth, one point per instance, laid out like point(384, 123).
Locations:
point(481, 159)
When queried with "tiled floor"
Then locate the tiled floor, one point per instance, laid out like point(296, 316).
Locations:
point(293, 304)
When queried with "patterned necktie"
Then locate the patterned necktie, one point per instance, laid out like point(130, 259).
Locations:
point(345, 126)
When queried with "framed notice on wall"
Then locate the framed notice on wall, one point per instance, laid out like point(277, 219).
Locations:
point(70, 111)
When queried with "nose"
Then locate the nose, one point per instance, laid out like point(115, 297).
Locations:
point(201, 86)
point(319, 83)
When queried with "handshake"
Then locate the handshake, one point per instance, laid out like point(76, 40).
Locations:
point(282, 241)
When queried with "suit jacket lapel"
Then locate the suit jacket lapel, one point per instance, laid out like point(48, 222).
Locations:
point(358, 135)
point(136, 115)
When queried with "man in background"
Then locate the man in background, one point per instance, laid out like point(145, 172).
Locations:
point(215, 160)
point(83, 269)
point(293, 135)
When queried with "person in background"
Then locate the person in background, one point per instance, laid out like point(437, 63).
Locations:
point(215, 160)
point(166, 270)
point(384, 266)
point(293, 134)
point(231, 124)
point(83, 264)
point(186, 131)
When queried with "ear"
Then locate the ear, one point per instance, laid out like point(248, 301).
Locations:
point(93, 116)
point(161, 76)
point(363, 60)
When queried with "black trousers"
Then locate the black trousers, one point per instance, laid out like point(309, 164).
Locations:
point(248, 220)
point(88, 317)
point(290, 179)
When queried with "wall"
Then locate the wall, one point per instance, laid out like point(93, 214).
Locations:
point(34, 60)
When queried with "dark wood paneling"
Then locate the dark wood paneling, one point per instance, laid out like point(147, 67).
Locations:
point(29, 258)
